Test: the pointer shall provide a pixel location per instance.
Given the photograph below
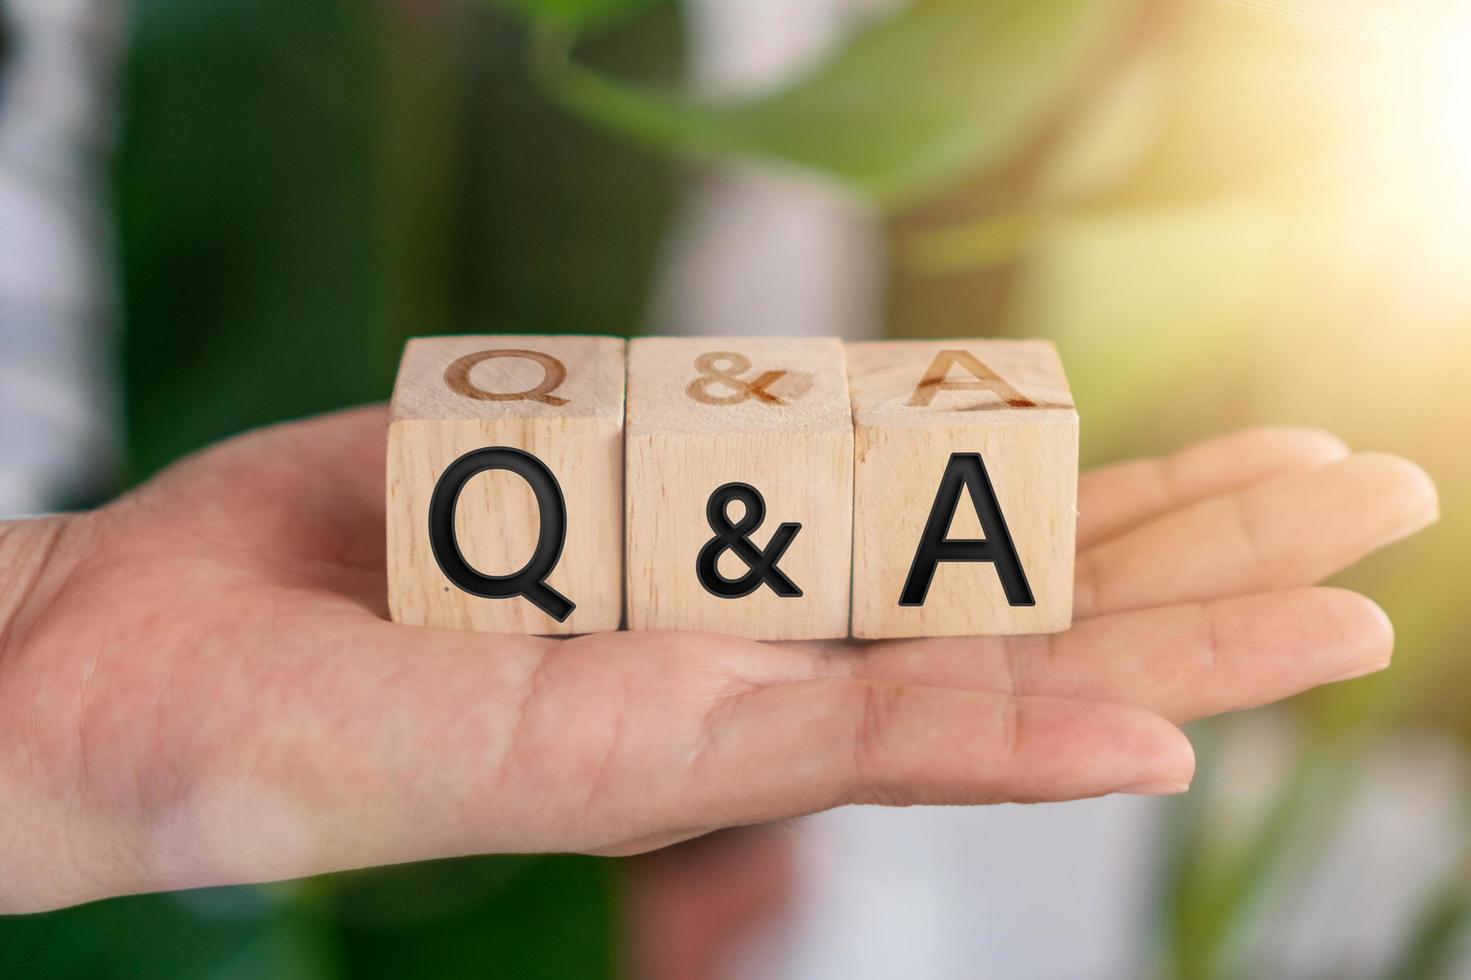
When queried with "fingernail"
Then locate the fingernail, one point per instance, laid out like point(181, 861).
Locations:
point(1166, 787)
point(1415, 491)
point(1364, 671)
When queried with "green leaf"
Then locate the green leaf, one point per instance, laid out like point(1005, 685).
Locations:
point(918, 100)
point(576, 16)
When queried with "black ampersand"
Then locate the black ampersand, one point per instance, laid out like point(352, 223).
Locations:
point(736, 538)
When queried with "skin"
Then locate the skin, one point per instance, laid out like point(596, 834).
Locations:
point(199, 684)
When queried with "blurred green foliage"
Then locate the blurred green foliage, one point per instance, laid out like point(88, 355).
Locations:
point(301, 186)
point(991, 73)
point(528, 918)
point(577, 16)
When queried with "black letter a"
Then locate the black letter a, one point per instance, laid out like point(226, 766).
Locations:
point(966, 470)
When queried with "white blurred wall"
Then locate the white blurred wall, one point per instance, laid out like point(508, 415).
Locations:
point(58, 393)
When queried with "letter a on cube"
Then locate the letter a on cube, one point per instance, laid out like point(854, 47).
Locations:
point(505, 484)
point(965, 488)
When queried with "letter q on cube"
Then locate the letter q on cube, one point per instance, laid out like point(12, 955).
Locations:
point(505, 484)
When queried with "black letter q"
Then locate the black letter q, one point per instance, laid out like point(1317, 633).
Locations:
point(530, 581)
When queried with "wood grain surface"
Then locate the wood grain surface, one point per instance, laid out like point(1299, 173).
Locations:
point(772, 413)
point(914, 406)
point(558, 398)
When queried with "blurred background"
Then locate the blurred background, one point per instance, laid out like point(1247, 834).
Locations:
point(216, 214)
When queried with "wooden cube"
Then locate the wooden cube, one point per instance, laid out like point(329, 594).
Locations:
point(965, 492)
point(505, 484)
point(739, 487)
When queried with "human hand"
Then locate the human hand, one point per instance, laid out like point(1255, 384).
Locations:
point(199, 686)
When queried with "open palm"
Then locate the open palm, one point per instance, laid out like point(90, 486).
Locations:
point(199, 685)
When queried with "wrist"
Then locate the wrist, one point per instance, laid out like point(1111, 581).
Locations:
point(35, 559)
point(26, 550)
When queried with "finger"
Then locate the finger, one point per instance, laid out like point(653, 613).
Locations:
point(347, 442)
point(1182, 662)
point(332, 470)
point(798, 748)
point(368, 744)
point(313, 489)
point(1292, 531)
point(1115, 498)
